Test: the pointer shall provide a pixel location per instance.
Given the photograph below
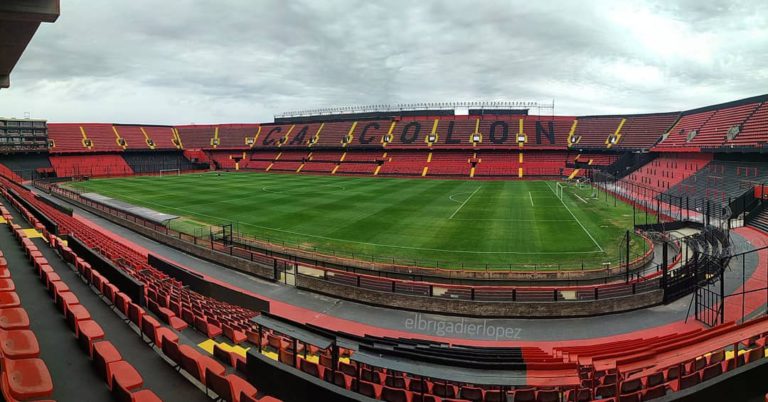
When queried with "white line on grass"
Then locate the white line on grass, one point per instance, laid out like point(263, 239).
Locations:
point(578, 221)
point(531, 197)
point(463, 203)
point(221, 219)
point(582, 200)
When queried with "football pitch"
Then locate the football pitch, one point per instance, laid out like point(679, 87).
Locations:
point(445, 223)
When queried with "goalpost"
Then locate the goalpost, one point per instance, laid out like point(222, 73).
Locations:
point(559, 188)
point(170, 172)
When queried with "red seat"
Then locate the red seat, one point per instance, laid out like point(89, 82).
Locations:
point(104, 353)
point(149, 326)
point(122, 301)
point(109, 291)
point(207, 328)
point(171, 350)
point(234, 335)
point(89, 331)
point(43, 269)
point(49, 278)
point(19, 344)
point(14, 318)
point(228, 387)
point(195, 363)
point(394, 395)
point(26, 379)
point(164, 334)
point(125, 373)
point(177, 323)
point(64, 299)
point(9, 299)
point(58, 287)
point(75, 313)
point(7, 285)
point(122, 394)
point(135, 314)
point(310, 368)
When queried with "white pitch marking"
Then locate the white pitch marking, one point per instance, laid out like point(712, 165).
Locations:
point(578, 221)
point(582, 200)
point(531, 197)
point(463, 203)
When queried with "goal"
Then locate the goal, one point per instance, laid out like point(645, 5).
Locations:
point(170, 172)
point(559, 188)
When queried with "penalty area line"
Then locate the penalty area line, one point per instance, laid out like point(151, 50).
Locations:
point(578, 221)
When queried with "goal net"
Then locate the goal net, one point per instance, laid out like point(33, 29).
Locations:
point(170, 172)
point(559, 188)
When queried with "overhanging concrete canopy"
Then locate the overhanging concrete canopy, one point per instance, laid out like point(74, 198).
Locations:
point(19, 20)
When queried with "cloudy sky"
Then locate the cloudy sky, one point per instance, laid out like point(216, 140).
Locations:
point(184, 61)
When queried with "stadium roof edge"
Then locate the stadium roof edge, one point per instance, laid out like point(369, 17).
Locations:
point(20, 20)
point(739, 102)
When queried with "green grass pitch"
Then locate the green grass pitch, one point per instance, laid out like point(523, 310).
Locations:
point(445, 223)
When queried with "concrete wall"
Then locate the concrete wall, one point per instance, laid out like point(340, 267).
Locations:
point(481, 309)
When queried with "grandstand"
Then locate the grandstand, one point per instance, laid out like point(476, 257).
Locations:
point(692, 164)
point(433, 252)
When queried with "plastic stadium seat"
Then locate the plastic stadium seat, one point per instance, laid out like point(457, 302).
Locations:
point(19, 344)
point(125, 373)
point(228, 387)
point(689, 380)
point(123, 394)
point(630, 386)
point(26, 379)
point(135, 314)
point(711, 372)
point(75, 313)
point(122, 301)
point(171, 351)
point(654, 380)
point(43, 270)
point(471, 393)
point(210, 330)
point(164, 334)
point(394, 394)
point(104, 353)
point(65, 299)
point(149, 326)
point(9, 299)
point(234, 335)
point(605, 391)
point(755, 354)
point(655, 392)
point(368, 389)
point(547, 396)
point(89, 331)
point(7, 285)
point(338, 378)
point(415, 385)
point(226, 357)
point(523, 395)
point(633, 397)
point(14, 318)
point(196, 364)
point(444, 390)
point(495, 396)
point(310, 368)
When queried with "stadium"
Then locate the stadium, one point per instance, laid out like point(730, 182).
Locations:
point(479, 251)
